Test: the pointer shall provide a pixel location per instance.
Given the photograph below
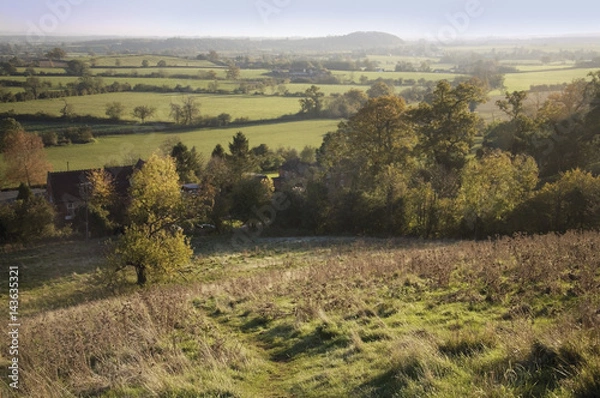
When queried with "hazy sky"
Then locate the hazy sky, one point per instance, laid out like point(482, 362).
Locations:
point(280, 18)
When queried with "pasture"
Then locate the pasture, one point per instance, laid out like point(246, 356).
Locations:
point(135, 61)
point(121, 149)
point(251, 106)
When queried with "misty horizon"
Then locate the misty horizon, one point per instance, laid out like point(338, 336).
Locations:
point(441, 20)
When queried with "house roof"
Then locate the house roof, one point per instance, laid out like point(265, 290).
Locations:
point(64, 187)
point(11, 196)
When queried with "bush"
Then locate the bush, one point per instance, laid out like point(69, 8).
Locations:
point(49, 138)
point(81, 135)
point(573, 202)
point(26, 220)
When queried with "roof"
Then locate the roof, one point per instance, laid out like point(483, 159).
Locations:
point(11, 196)
point(64, 187)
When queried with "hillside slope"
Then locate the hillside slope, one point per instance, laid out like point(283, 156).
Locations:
point(323, 318)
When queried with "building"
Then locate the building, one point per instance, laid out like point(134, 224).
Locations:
point(67, 190)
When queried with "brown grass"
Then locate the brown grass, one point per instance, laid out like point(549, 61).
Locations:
point(416, 303)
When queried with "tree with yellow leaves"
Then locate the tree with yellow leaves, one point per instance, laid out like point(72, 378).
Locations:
point(153, 243)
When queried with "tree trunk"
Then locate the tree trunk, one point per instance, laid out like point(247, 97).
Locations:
point(141, 275)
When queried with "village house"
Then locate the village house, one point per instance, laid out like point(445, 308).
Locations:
point(67, 190)
point(292, 171)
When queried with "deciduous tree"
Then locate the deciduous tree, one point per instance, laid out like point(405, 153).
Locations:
point(492, 187)
point(380, 89)
point(233, 72)
point(312, 103)
point(446, 126)
point(185, 113)
point(153, 244)
point(114, 110)
point(25, 158)
point(143, 112)
point(56, 53)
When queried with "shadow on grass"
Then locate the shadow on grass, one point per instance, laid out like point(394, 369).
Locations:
point(49, 262)
point(387, 384)
point(227, 244)
point(59, 274)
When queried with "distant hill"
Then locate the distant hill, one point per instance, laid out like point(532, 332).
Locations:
point(358, 41)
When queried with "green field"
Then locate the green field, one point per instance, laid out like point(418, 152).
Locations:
point(523, 81)
point(121, 149)
point(136, 61)
point(250, 106)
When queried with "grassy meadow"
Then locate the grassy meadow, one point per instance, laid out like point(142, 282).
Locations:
point(120, 149)
point(238, 106)
point(317, 317)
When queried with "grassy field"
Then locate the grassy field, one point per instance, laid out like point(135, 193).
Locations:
point(120, 149)
point(135, 61)
point(316, 317)
point(523, 81)
point(253, 107)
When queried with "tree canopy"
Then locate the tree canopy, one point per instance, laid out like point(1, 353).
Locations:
point(153, 243)
point(25, 158)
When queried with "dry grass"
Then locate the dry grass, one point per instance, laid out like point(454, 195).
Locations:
point(513, 317)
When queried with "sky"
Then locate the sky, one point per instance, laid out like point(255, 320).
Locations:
point(435, 19)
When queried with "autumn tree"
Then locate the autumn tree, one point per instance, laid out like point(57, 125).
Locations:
point(570, 203)
point(106, 210)
point(8, 127)
point(492, 187)
point(143, 112)
point(362, 165)
point(378, 135)
point(153, 244)
point(25, 158)
point(77, 67)
point(517, 134)
point(248, 195)
point(446, 126)
point(380, 89)
point(28, 218)
point(347, 104)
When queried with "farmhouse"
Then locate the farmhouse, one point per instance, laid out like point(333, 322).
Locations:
point(292, 171)
point(67, 190)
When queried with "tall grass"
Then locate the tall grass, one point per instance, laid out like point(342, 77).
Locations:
point(507, 318)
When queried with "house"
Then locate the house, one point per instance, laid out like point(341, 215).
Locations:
point(67, 190)
point(292, 171)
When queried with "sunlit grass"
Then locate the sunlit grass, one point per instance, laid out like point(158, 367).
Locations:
point(322, 317)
